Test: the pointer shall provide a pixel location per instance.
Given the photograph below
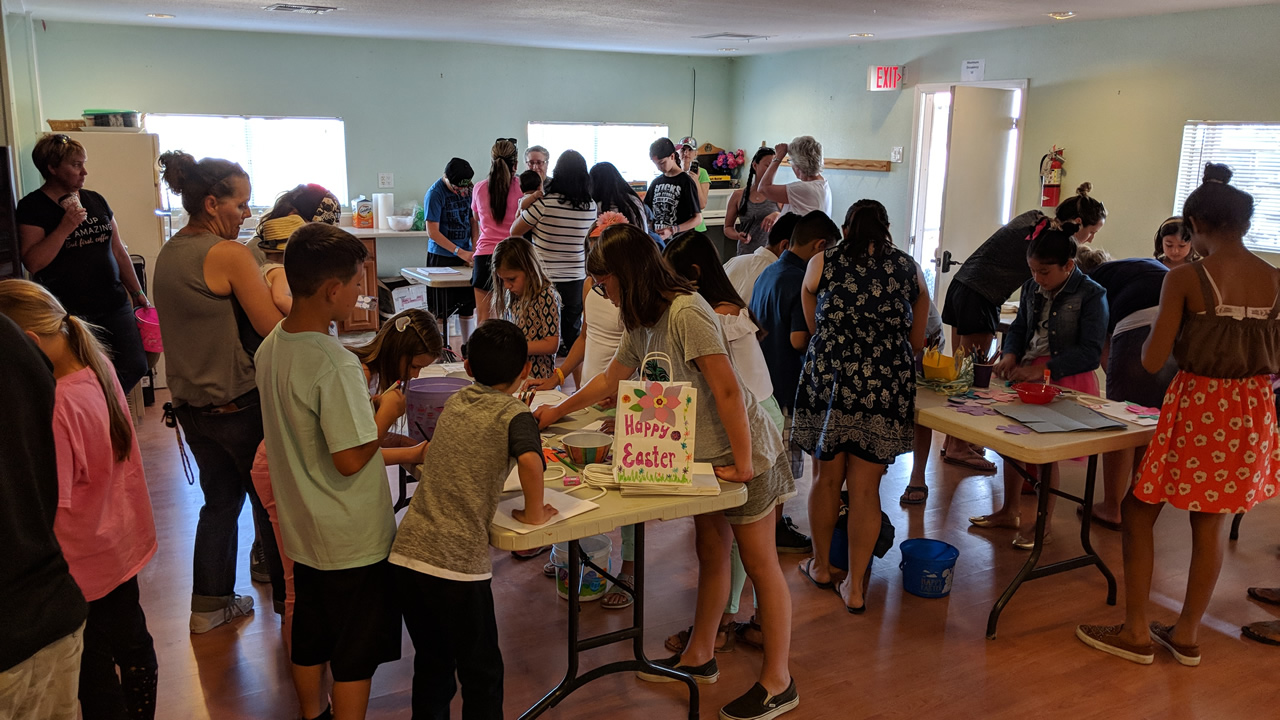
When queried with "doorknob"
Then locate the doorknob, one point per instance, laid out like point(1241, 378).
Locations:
point(947, 262)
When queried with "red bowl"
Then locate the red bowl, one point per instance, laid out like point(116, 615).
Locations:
point(1036, 393)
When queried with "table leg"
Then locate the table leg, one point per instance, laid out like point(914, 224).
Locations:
point(572, 680)
point(1042, 511)
point(1086, 521)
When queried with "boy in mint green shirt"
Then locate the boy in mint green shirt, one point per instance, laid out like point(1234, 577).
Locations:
point(323, 437)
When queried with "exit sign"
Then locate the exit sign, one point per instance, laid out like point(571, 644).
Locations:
point(885, 77)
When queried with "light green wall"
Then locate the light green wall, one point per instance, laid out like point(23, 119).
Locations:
point(1115, 93)
point(408, 105)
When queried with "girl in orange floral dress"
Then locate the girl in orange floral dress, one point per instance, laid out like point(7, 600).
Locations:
point(1216, 450)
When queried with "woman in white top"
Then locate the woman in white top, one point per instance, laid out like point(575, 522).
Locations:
point(810, 193)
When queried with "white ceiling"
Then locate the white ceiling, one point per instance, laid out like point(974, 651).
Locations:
point(654, 26)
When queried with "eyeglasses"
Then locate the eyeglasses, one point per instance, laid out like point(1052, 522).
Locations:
point(599, 289)
point(510, 140)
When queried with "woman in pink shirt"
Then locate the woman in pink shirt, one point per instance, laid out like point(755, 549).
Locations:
point(104, 520)
point(495, 202)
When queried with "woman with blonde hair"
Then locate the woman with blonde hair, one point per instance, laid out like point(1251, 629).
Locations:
point(810, 191)
point(70, 243)
point(103, 522)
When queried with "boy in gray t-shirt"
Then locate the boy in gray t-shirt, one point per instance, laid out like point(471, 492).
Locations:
point(441, 552)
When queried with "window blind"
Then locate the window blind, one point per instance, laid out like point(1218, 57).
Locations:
point(279, 153)
point(1252, 151)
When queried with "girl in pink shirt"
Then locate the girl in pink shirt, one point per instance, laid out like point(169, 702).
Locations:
point(495, 204)
point(104, 520)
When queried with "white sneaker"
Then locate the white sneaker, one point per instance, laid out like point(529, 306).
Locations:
point(239, 606)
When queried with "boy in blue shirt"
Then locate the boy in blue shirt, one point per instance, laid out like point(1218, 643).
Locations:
point(323, 443)
point(441, 553)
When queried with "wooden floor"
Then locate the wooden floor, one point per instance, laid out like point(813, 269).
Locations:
point(907, 657)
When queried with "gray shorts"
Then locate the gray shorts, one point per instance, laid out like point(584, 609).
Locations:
point(765, 492)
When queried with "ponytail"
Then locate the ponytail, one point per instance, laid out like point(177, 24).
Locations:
point(87, 349)
point(762, 153)
point(34, 309)
point(501, 171)
point(1082, 208)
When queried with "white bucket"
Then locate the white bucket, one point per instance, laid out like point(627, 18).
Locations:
point(597, 548)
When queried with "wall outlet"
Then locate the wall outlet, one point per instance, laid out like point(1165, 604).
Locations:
point(388, 180)
point(895, 155)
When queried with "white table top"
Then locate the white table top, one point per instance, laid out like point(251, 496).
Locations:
point(934, 412)
point(461, 278)
point(615, 510)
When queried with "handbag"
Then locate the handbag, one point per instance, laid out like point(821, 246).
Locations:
point(655, 428)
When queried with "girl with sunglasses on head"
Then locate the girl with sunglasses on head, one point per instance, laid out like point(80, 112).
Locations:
point(663, 313)
point(403, 346)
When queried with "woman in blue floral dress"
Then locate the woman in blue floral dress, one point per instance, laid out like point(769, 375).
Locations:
point(867, 307)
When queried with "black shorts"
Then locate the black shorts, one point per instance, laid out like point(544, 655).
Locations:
point(347, 618)
point(482, 273)
point(1127, 380)
point(969, 312)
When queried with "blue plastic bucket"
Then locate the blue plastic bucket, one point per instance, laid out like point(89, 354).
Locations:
point(928, 567)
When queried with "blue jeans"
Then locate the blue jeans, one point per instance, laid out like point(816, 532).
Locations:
point(118, 330)
point(223, 444)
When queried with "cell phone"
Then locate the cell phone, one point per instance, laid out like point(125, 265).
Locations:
point(693, 166)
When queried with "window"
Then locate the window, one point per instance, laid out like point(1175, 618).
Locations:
point(1252, 150)
point(279, 153)
point(626, 145)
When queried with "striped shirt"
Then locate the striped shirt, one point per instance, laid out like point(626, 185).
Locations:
point(560, 235)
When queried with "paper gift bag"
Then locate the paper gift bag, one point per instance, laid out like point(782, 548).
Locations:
point(654, 430)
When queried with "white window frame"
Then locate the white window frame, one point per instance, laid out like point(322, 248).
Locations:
point(1254, 162)
point(333, 177)
point(590, 147)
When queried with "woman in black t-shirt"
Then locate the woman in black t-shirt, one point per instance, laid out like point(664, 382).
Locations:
point(70, 243)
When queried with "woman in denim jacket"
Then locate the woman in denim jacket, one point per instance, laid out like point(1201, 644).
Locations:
point(1061, 327)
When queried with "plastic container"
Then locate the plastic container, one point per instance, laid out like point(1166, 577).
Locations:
point(113, 118)
point(425, 400)
point(400, 223)
point(928, 567)
point(149, 328)
point(598, 548)
point(982, 375)
point(1036, 393)
point(939, 367)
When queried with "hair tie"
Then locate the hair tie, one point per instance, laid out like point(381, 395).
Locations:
point(1214, 180)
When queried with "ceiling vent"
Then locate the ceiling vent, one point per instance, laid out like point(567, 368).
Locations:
point(300, 9)
point(731, 36)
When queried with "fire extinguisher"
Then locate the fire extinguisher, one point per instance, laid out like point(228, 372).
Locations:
point(1051, 177)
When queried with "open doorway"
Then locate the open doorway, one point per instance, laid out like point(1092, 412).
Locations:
point(966, 144)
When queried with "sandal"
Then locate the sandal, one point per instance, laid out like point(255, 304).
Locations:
point(806, 569)
point(920, 491)
point(1257, 594)
point(619, 599)
point(977, 464)
point(748, 632)
point(677, 642)
point(1267, 632)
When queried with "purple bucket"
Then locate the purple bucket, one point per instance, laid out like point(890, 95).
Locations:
point(425, 401)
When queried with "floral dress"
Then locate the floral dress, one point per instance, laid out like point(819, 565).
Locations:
point(857, 387)
point(539, 318)
point(1216, 448)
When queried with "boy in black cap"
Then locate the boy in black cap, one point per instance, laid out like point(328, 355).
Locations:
point(673, 195)
point(448, 215)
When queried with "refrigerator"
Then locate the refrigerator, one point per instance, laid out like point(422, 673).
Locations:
point(123, 169)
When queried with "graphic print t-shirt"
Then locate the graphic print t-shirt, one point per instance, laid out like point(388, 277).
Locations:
point(453, 212)
point(673, 200)
point(83, 275)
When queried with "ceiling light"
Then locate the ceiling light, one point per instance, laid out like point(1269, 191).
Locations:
point(300, 9)
point(1063, 15)
point(730, 36)
point(862, 35)
point(160, 16)
point(728, 49)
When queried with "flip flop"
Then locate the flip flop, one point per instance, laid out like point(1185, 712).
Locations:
point(914, 488)
point(1107, 524)
point(1249, 632)
point(1253, 593)
point(974, 464)
point(806, 568)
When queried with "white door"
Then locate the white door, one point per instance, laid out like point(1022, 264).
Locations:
point(977, 194)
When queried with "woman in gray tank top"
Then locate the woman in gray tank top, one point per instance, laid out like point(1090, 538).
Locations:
point(748, 207)
point(211, 377)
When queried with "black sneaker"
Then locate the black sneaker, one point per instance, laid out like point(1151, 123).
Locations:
point(790, 539)
point(259, 571)
point(757, 704)
point(705, 674)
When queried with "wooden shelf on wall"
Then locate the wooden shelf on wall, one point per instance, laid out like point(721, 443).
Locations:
point(848, 164)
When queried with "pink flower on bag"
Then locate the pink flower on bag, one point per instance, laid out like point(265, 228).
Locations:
point(658, 404)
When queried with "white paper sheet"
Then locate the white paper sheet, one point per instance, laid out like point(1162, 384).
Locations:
point(566, 507)
point(1120, 411)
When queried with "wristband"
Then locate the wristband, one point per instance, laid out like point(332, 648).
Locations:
point(559, 376)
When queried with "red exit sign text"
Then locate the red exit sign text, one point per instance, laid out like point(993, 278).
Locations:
point(885, 77)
